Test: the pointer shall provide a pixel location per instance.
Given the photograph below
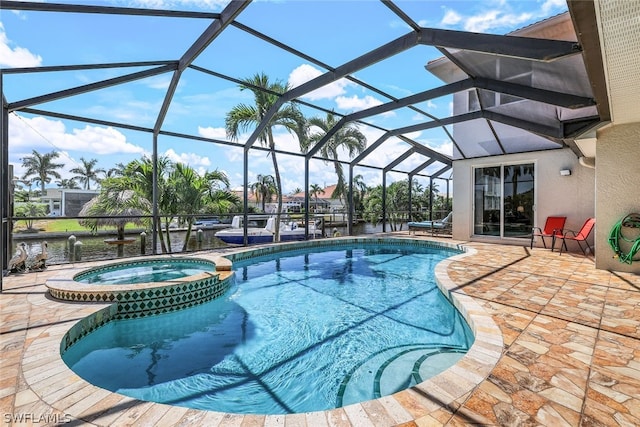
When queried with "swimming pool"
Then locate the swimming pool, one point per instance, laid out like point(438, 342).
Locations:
point(143, 271)
point(298, 332)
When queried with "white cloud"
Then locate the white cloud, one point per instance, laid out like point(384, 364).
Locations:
point(389, 150)
point(99, 140)
point(501, 16)
point(208, 5)
point(495, 19)
point(553, 5)
point(160, 82)
point(40, 133)
point(213, 133)
point(195, 161)
point(413, 135)
point(443, 146)
point(306, 72)
point(451, 18)
point(356, 103)
point(14, 57)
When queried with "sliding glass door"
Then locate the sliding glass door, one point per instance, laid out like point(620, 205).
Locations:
point(504, 200)
point(488, 201)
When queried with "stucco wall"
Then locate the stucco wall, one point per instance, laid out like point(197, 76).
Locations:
point(617, 187)
point(572, 196)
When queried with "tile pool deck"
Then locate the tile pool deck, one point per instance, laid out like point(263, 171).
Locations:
point(565, 351)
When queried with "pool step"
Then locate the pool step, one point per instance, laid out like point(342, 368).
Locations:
point(395, 369)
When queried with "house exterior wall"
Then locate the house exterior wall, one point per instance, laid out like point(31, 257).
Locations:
point(73, 201)
point(617, 189)
point(571, 196)
point(67, 202)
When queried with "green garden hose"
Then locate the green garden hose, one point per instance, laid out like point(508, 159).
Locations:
point(631, 220)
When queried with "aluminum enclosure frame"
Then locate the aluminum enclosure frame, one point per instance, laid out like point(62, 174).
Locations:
point(446, 41)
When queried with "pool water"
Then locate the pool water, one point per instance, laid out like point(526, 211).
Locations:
point(159, 270)
point(306, 332)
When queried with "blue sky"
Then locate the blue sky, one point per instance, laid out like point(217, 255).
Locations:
point(333, 32)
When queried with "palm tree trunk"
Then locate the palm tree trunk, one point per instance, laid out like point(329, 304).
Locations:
point(167, 242)
point(163, 246)
point(272, 146)
point(188, 235)
point(342, 186)
point(120, 246)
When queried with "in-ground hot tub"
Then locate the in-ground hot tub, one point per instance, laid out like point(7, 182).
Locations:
point(143, 271)
point(146, 286)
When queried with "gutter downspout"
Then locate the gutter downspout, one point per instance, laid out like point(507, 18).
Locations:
point(588, 162)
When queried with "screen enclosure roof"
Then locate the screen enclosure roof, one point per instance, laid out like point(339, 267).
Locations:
point(423, 95)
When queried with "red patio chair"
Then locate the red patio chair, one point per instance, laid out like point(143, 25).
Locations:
point(580, 236)
point(553, 227)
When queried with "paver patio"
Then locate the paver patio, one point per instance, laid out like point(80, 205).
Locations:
point(570, 355)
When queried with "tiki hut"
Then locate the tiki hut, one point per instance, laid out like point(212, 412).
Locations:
point(114, 208)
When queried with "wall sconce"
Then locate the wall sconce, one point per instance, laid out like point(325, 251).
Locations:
point(565, 172)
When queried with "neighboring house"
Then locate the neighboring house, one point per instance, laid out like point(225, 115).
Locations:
point(253, 202)
point(508, 180)
point(322, 203)
point(66, 202)
point(295, 203)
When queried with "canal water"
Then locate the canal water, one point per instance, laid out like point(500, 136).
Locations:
point(94, 248)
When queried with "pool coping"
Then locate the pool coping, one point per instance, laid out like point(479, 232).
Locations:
point(43, 358)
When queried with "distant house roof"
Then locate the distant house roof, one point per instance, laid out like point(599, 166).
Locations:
point(324, 194)
point(240, 193)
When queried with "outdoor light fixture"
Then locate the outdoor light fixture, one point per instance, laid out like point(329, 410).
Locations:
point(565, 172)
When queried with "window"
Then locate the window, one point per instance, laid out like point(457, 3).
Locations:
point(507, 70)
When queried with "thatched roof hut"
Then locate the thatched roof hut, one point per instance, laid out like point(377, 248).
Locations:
point(115, 209)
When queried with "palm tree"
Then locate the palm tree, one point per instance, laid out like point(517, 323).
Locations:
point(68, 183)
point(397, 202)
point(243, 117)
point(140, 172)
point(348, 138)
point(29, 210)
point(87, 172)
point(196, 194)
point(360, 191)
point(220, 199)
point(41, 167)
point(190, 191)
point(116, 205)
point(314, 190)
point(117, 170)
point(264, 188)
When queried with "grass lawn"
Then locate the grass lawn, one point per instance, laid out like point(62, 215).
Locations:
point(54, 225)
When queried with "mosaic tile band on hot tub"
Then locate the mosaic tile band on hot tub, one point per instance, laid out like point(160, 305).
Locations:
point(145, 299)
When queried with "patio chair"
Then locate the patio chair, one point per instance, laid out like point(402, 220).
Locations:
point(433, 226)
point(580, 236)
point(443, 227)
point(553, 227)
